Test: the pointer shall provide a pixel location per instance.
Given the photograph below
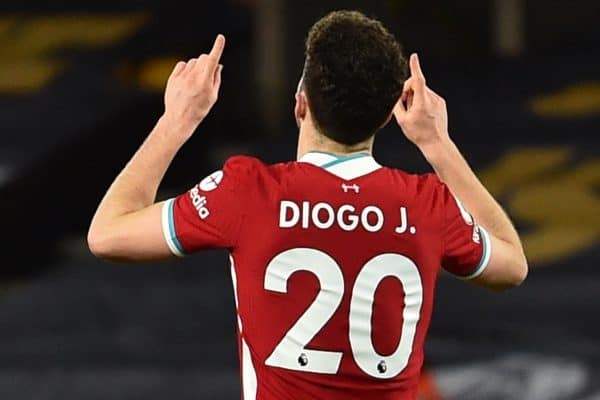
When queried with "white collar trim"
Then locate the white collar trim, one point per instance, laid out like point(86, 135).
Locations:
point(347, 168)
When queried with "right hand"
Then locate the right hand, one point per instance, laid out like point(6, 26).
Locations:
point(193, 87)
point(420, 112)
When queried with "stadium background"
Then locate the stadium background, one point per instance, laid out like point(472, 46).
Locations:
point(81, 85)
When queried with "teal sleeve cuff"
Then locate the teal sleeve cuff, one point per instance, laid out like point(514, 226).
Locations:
point(168, 227)
point(485, 256)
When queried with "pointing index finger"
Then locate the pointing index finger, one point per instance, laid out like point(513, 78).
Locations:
point(415, 67)
point(217, 50)
point(213, 59)
point(416, 83)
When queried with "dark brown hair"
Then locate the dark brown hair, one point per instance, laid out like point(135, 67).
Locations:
point(353, 75)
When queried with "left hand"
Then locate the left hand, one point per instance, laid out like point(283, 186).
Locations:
point(424, 118)
point(193, 87)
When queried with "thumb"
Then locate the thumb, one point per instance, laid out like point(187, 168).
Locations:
point(400, 110)
point(217, 77)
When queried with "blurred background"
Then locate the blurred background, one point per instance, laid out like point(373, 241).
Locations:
point(81, 86)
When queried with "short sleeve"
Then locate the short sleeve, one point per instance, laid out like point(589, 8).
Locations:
point(209, 215)
point(467, 246)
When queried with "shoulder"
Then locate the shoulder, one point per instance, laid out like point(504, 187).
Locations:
point(233, 174)
point(243, 164)
point(426, 190)
point(243, 167)
point(428, 182)
point(251, 170)
point(252, 166)
point(432, 187)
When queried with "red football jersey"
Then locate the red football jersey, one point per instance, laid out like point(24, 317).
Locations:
point(334, 263)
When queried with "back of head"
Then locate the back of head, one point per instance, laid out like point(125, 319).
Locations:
point(353, 75)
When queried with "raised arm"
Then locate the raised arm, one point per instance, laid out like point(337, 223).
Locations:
point(127, 225)
point(422, 115)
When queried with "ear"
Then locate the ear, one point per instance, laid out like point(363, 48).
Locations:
point(301, 108)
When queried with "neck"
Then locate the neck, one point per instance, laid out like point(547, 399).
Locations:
point(311, 139)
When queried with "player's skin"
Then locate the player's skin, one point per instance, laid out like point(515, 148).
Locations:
point(127, 225)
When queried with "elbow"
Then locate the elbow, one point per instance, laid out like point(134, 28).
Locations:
point(516, 275)
point(520, 268)
point(99, 243)
point(521, 272)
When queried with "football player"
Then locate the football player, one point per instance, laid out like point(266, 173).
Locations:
point(334, 257)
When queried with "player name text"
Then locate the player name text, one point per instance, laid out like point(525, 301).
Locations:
point(347, 217)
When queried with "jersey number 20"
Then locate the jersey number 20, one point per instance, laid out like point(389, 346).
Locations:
point(291, 352)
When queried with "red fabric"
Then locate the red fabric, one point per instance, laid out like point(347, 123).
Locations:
point(463, 241)
point(245, 217)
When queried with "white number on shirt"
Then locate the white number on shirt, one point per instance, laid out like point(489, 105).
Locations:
point(291, 352)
